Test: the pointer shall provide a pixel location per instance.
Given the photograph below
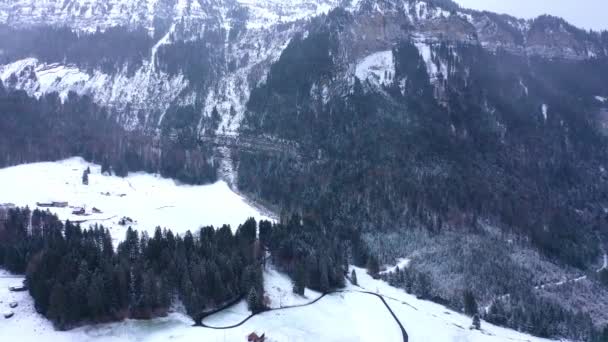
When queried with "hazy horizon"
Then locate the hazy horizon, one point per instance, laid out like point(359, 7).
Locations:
point(587, 14)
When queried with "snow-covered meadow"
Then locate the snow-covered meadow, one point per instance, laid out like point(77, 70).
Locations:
point(149, 200)
point(349, 316)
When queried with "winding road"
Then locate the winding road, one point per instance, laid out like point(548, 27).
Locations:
point(403, 332)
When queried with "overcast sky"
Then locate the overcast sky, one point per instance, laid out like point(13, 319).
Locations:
point(588, 14)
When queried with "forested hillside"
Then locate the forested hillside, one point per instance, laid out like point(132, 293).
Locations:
point(50, 128)
point(511, 151)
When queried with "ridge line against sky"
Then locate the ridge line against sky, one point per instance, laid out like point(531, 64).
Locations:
point(587, 14)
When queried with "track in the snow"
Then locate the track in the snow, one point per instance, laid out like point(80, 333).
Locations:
point(403, 332)
point(253, 144)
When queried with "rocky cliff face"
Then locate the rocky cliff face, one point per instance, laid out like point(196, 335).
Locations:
point(91, 15)
point(243, 37)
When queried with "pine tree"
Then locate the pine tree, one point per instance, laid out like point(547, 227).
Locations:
point(107, 246)
point(95, 299)
point(149, 297)
point(216, 119)
point(58, 306)
point(353, 278)
point(373, 268)
point(79, 292)
point(603, 336)
point(85, 178)
point(422, 286)
point(187, 294)
point(324, 280)
point(219, 286)
point(476, 322)
point(470, 304)
point(105, 168)
point(603, 276)
point(248, 230)
point(265, 232)
point(253, 301)
point(299, 284)
point(408, 279)
point(323, 275)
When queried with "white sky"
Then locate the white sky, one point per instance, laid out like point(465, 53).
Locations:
point(588, 14)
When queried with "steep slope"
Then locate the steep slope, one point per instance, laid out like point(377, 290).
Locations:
point(235, 37)
point(485, 159)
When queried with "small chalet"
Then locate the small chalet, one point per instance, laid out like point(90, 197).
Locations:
point(7, 206)
point(79, 211)
point(52, 204)
point(253, 337)
point(125, 221)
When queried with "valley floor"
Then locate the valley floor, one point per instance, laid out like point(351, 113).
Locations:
point(150, 200)
point(348, 316)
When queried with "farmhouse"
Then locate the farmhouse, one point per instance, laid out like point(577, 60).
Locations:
point(54, 204)
point(78, 211)
point(17, 288)
point(253, 337)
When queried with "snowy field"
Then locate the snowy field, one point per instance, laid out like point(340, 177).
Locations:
point(149, 200)
point(348, 316)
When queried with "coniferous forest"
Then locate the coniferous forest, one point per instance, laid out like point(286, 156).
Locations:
point(49, 128)
point(76, 276)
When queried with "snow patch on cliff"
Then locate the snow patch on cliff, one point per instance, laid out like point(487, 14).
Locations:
point(265, 13)
point(424, 11)
point(230, 94)
point(39, 79)
point(427, 55)
point(523, 87)
point(377, 68)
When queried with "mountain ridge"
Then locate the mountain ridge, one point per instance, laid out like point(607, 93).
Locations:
point(239, 23)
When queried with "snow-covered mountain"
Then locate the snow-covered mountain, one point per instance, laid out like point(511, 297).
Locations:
point(469, 142)
point(248, 36)
point(91, 15)
point(149, 89)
